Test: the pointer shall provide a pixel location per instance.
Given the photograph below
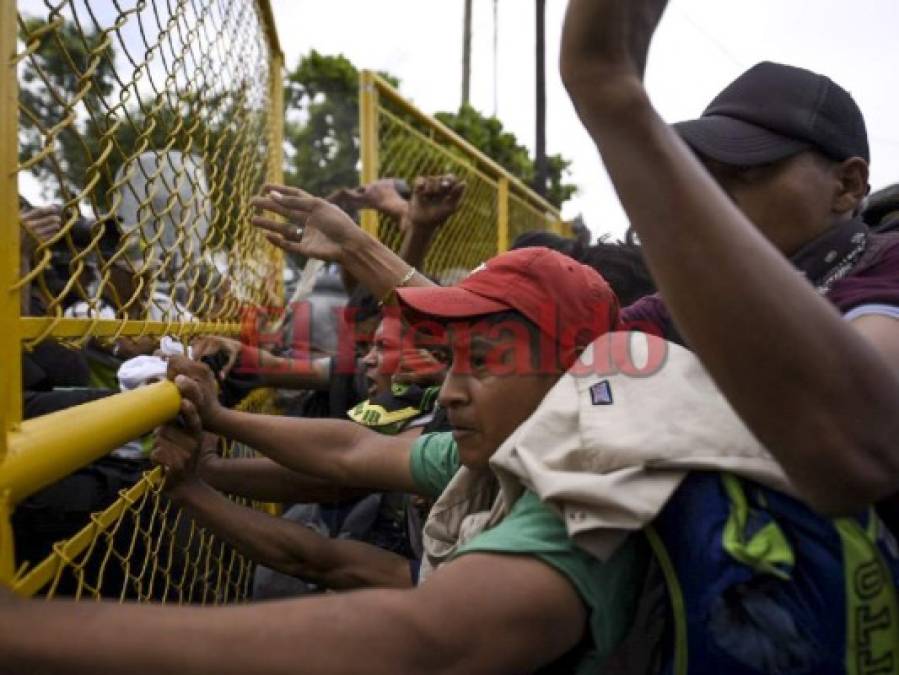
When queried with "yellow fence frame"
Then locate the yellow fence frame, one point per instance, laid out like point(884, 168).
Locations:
point(39, 452)
point(373, 90)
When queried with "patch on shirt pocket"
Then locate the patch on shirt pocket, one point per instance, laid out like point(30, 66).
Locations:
point(601, 393)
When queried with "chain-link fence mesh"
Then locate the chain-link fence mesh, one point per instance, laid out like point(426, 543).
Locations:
point(142, 547)
point(407, 144)
point(150, 124)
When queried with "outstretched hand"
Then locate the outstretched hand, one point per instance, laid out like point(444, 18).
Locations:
point(381, 195)
point(313, 227)
point(207, 345)
point(434, 200)
point(197, 384)
point(604, 40)
point(177, 447)
point(41, 225)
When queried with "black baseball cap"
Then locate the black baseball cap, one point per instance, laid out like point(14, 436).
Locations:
point(774, 111)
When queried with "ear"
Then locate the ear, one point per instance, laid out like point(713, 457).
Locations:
point(852, 185)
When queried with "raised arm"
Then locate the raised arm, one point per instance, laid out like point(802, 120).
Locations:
point(341, 452)
point(318, 229)
point(434, 200)
point(821, 394)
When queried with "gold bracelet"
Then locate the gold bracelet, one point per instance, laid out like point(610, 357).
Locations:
point(407, 277)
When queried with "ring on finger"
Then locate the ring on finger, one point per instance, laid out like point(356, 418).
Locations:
point(298, 231)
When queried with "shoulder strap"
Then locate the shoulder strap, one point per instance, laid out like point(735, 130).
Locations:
point(675, 597)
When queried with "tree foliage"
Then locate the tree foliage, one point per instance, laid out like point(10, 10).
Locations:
point(322, 99)
point(321, 133)
point(488, 135)
point(51, 90)
point(218, 127)
point(322, 128)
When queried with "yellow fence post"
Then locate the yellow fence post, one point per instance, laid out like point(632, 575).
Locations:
point(400, 141)
point(368, 141)
point(10, 356)
point(276, 113)
point(502, 215)
point(276, 96)
point(11, 397)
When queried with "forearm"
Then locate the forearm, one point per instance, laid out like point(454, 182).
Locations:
point(337, 451)
point(311, 446)
point(415, 244)
point(377, 267)
point(286, 373)
point(287, 638)
point(274, 542)
point(810, 387)
point(264, 480)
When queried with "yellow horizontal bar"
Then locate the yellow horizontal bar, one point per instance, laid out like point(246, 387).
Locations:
point(386, 90)
point(32, 327)
point(45, 571)
point(48, 448)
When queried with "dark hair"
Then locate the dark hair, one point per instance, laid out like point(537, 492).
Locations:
point(361, 305)
point(570, 247)
point(621, 265)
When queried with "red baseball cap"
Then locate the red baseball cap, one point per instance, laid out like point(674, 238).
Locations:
point(569, 302)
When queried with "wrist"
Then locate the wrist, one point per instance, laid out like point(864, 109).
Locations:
point(357, 250)
point(426, 227)
point(607, 91)
point(208, 466)
point(185, 490)
point(400, 213)
point(215, 419)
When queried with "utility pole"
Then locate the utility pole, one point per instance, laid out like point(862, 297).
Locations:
point(540, 144)
point(495, 56)
point(466, 54)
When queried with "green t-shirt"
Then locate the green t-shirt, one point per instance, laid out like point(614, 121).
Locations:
point(608, 589)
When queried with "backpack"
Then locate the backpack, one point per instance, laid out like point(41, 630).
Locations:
point(758, 584)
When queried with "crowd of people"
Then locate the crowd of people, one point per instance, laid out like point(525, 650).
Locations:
point(672, 456)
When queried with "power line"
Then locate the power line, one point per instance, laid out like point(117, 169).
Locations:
point(711, 38)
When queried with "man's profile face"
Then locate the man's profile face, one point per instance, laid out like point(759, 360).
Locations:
point(788, 201)
point(487, 393)
point(377, 379)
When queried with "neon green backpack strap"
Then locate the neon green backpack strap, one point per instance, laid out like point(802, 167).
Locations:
point(765, 550)
point(675, 597)
point(872, 615)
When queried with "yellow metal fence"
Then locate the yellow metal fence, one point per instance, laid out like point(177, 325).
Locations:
point(143, 548)
point(150, 124)
point(400, 141)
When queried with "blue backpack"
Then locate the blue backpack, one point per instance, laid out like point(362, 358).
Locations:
point(758, 584)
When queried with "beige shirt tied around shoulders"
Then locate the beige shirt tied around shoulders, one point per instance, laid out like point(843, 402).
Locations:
point(609, 468)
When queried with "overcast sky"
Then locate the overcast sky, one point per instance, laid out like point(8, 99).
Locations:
point(700, 47)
